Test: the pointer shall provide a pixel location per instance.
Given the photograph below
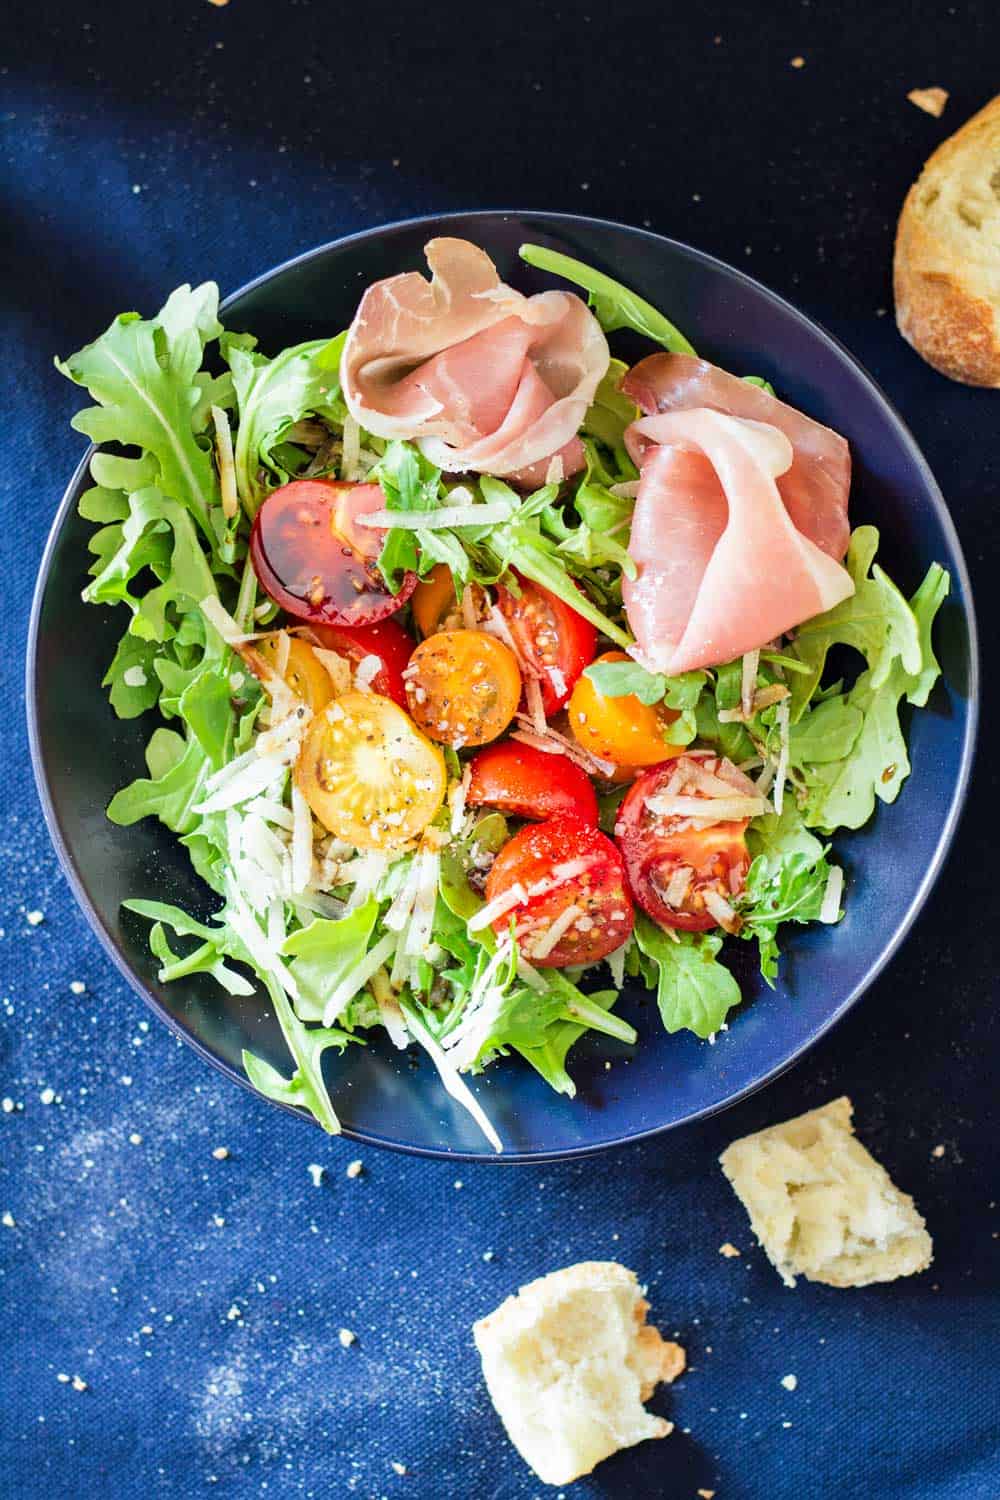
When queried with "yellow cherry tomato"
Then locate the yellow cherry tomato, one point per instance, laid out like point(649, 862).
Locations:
point(463, 687)
point(368, 773)
point(435, 606)
point(622, 730)
point(305, 673)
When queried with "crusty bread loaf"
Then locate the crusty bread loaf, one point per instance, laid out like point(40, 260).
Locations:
point(947, 265)
point(568, 1363)
point(821, 1206)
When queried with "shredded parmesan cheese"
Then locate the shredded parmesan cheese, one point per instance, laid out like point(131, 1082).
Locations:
point(544, 945)
point(497, 908)
point(748, 681)
point(338, 669)
point(389, 1011)
point(469, 608)
point(626, 491)
point(457, 797)
point(490, 513)
point(226, 463)
point(536, 708)
point(677, 886)
point(366, 672)
point(708, 809)
point(450, 1077)
point(721, 910)
point(302, 842)
point(352, 449)
point(554, 472)
point(830, 909)
point(221, 620)
point(781, 771)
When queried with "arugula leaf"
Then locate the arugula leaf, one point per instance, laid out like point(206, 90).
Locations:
point(694, 991)
point(272, 395)
point(786, 882)
point(170, 797)
point(826, 732)
point(205, 959)
point(489, 834)
point(548, 1056)
point(613, 304)
point(142, 373)
point(842, 793)
point(306, 1088)
point(622, 679)
point(609, 415)
point(876, 620)
point(410, 483)
point(325, 953)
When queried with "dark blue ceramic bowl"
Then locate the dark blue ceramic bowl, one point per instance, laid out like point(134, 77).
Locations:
point(82, 753)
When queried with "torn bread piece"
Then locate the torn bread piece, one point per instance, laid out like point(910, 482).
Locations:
point(569, 1362)
point(821, 1206)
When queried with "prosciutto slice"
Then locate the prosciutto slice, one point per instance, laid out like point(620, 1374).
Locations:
point(815, 486)
point(482, 377)
point(722, 566)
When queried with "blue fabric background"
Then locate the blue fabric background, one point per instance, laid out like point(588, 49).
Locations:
point(200, 1300)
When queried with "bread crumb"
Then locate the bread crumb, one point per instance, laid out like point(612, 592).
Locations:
point(789, 1382)
point(34, 917)
point(316, 1172)
point(146, 1328)
point(77, 986)
point(938, 1152)
point(728, 1250)
point(355, 1168)
point(135, 1138)
point(347, 1338)
point(234, 1313)
point(221, 1153)
point(798, 62)
point(47, 1096)
point(62, 1378)
point(397, 1467)
point(7, 1219)
point(7, 1105)
point(218, 3)
point(218, 1221)
point(78, 1384)
point(458, 1182)
point(931, 101)
point(707, 1494)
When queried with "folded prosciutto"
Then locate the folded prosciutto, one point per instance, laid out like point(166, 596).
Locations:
point(482, 377)
point(723, 567)
point(815, 487)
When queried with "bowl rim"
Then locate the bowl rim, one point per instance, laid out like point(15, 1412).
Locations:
point(930, 875)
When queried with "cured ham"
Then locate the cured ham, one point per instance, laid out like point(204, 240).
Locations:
point(482, 377)
point(722, 566)
point(814, 488)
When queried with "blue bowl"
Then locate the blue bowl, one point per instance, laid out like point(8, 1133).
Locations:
point(82, 753)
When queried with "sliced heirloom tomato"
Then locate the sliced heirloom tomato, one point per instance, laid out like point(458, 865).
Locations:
point(387, 640)
point(553, 640)
point(463, 687)
point(528, 783)
point(623, 730)
point(569, 900)
point(313, 558)
point(368, 774)
point(683, 875)
point(304, 673)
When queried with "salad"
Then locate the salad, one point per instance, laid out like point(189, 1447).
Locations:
point(488, 671)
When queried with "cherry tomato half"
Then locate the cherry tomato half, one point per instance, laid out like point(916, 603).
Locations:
point(623, 730)
point(387, 640)
point(526, 782)
point(313, 558)
point(553, 639)
point(672, 866)
point(563, 866)
point(368, 773)
point(304, 673)
point(463, 687)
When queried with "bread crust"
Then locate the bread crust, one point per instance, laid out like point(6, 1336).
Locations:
point(946, 271)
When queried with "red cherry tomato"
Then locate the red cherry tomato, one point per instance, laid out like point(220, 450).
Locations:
point(314, 559)
point(552, 639)
point(387, 640)
point(562, 865)
point(657, 849)
point(526, 782)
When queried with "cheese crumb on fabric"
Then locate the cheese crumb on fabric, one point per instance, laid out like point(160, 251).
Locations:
point(355, 1168)
point(78, 1384)
point(47, 1095)
point(34, 917)
point(728, 1250)
point(789, 1382)
point(221, 1153)
point(77, 987)
point(346, 1337)
point(706, 1494)
point(135, 1138)
point(7, 1219)
point(397, 1467)
point(234, 1313)
point(938, 1152)
point(316, 1172)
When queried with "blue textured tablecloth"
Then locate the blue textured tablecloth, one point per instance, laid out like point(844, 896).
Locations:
point(200, 1299)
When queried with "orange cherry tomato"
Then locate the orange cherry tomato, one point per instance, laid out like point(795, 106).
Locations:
point(435, 605)
point(463, 687)
point(622, 730)
point(304, 673)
